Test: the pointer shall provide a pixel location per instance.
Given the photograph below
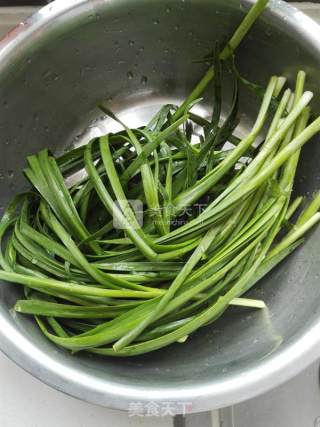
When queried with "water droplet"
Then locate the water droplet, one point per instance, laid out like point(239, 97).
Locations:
point(177, 28)
point(190, 33)
point(168, 9)
point(141, 48)
point(29, 60)
point(50, 76)
point(166, 51)
point(268, 31)
point(156, 21)
point(144, 80)
point(1, 176)
point(131, 43)
point(154, 70)
point(10, 173)
point(130, 75)
point(34, 261)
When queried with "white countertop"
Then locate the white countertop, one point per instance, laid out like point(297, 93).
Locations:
point(27, 402)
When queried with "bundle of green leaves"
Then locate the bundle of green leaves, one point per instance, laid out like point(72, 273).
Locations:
point(131, 288)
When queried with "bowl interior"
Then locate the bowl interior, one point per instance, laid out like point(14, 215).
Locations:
point(135, 56)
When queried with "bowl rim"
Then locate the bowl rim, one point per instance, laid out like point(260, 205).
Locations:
point(259, 378)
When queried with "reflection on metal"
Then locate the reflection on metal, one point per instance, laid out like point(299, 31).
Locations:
point(179, 421)
point(203, 419)
point(227, 417)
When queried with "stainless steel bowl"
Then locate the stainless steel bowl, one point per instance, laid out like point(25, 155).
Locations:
point(135, 55)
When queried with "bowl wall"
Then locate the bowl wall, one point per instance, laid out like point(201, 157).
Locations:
point(135, 56)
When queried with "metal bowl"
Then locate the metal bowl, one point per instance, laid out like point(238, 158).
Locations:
point(54, 68)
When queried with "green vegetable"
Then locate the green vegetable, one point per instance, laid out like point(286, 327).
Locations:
point(96, 278)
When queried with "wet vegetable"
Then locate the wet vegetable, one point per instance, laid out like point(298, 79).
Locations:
point(216, 218)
